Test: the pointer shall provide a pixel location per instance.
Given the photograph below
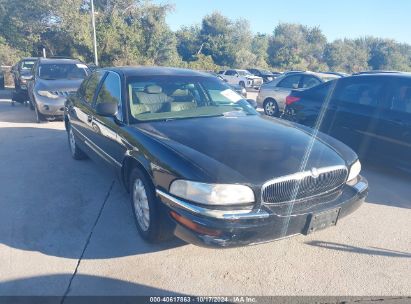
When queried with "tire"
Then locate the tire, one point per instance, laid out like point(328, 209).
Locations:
point(31, 105)
point(146, 212)
point(75, 151)
point(271, 107)
point(242, 84)
point(39, 117)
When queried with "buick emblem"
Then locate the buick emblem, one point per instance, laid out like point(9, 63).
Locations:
point(315, 173)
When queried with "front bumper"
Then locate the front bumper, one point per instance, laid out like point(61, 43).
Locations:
point(49, 106)
point(239, 228)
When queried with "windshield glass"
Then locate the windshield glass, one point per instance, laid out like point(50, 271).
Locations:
point(244, 73)
point(62, 71)
point(27, 65)
point(174, 97)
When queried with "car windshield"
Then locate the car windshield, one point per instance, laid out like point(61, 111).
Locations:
point(244, 73)
point(27, 65)
point(57, 71)
point(175, 97)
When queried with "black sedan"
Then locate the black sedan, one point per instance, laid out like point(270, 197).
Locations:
point(202, 164)
point(370, 113)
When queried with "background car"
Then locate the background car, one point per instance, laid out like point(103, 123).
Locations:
point(53, 80)
point(171, 137)
point(236, 87)
point(267, 76)
point(371, 113)
point(243, 78)
point(272, 95)
point(22, 72)
point(1, 79)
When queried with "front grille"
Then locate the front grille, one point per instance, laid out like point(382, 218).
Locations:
point(303, 185)
point(61, 93)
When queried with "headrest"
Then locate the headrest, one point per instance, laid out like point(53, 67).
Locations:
point(180, 92)
point(153, 89)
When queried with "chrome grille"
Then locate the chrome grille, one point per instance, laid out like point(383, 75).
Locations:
point(61, 93)
point(303, 185)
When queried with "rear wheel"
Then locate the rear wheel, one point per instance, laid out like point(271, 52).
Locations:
point(76, 152)
point(145, 207)
point(271, 107)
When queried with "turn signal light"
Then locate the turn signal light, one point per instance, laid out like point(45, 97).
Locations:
point(194, 226)
point(291, 99)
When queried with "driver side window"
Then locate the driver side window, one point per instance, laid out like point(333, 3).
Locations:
point(290, 82)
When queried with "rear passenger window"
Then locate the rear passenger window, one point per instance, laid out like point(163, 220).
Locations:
point(399, 97)
point(309, 82)
point(290, 82)
point(365, 92)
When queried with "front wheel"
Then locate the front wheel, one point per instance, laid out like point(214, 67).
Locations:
point(271, 107)
point(145, 207)
point(39, 117)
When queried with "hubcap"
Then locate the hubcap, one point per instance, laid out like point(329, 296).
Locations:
point(270, 108)
point(141, 207)
point(72, 141)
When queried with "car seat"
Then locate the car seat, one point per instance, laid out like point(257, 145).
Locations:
point(151, 100)
point(182, 100)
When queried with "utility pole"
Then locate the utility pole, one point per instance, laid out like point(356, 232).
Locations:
point(93, 22)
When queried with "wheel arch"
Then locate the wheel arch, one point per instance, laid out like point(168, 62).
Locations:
point(129, 163)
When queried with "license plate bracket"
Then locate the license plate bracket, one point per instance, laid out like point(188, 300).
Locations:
point(322, 220)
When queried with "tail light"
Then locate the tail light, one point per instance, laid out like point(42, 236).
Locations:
point(291, 99)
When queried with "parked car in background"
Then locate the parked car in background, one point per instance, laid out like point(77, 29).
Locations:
point(52, 82)
point(272, 95)
point(236, 87)
point(22, 72)
point(194, 171)
point(371, 113)
point(267, 76)
point(243, 78)
point(1, 79)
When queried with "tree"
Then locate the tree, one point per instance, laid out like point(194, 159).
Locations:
point(296, 46)
point(346, 56)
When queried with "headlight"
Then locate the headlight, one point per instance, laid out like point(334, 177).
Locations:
point(212, 194)
point(47, 94)
point(354, 170)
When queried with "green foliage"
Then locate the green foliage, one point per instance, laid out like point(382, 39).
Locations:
point(135, 32)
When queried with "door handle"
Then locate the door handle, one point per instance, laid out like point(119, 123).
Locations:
point(89, 118)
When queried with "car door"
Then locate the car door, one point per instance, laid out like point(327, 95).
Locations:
point(106, 129)
point(81, 113)
point(393, 134)
point(284, 88)
point(353, 113)
point(231, 76)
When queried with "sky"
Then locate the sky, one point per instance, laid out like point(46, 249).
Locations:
point(336, 18)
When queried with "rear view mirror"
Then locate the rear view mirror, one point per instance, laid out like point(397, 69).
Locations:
point(106, 109)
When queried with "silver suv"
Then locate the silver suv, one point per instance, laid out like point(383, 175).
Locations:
point(272, 95)
point(52, 81)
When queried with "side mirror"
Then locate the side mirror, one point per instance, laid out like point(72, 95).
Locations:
point(106, 109)
point(225, 80)
point(252, 103)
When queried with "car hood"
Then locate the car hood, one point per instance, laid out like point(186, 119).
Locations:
point(58, 85)
point(247, 149)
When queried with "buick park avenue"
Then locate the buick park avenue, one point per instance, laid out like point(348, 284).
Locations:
point(201, 164)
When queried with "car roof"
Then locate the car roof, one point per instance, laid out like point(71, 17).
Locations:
point(58, 60)
point(156, 71)
point(29, 58)
point(382, 74)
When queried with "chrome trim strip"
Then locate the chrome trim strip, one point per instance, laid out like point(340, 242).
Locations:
point(299, 176)
point(96, 148)
point(172, 201)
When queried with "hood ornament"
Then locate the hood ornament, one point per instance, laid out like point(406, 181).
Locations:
point(315, 173)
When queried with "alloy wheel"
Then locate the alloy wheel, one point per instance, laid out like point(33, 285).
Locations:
point(270, 108)
point(140, 202)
